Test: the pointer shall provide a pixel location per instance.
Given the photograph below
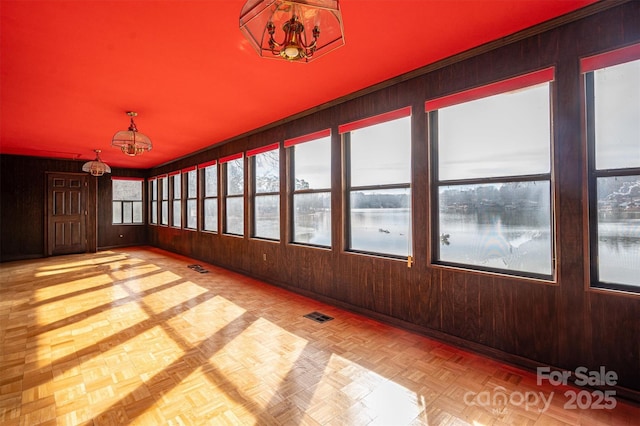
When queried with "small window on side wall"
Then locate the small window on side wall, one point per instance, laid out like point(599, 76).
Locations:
point(163, 182)
point(175, 179)
point(234, 194)
point(190, 178)
point(127, 201)
point(209, 185)
point(153, 204)
point(491, 177)
point(612, 94)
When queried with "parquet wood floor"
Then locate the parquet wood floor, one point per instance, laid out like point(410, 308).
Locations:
point(134, 336)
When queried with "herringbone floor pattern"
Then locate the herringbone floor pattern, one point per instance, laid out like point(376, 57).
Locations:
point(135, 336)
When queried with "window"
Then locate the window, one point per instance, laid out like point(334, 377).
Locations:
point(191, 192)
point(209, 176)
point(127, 200)
point(491, 165)
point(310, 171)
point(612, 87)
point(234, 196)
point(153, 195)
point(266, 191)
point(164, 200)
point(378, 181)
point(176, 199)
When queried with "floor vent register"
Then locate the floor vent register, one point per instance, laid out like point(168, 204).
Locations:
point(198, 268)
point(318, 317)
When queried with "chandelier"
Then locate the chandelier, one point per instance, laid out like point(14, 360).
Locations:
point(293, 30)
point(131, 141)
point(96, 167)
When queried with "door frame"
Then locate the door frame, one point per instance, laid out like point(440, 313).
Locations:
point(91, 208)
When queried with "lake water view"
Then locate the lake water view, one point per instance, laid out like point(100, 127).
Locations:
point(619, 248)
point(492, 239)
point(501, 240)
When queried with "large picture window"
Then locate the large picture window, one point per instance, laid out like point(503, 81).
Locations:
point(176, 199)
point(378, 180)
point(127, 200)
point(209, 176)
point(265, 163)
point(310, 174)
point(491, 165)
point(234, 194)
point(612, 87)
point(190, 177)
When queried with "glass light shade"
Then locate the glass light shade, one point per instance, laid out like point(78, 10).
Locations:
point(321, 19)
point(96, 167)
point(131, 142)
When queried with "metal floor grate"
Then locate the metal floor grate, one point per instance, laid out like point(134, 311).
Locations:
point(198, 268)
point(318, 317)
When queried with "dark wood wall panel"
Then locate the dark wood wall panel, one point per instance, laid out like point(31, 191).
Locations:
point(426, 301)
point(536, 322)
point(504, 319)
point(614, 327)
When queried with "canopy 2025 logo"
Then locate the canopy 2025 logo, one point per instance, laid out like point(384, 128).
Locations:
point(583, 399)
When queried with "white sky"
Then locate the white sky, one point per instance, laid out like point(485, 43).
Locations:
point(503, 135)
point(618, 116)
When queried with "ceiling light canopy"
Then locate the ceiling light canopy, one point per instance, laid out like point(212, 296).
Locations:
point(131, 141)
point(293, 30)
point(96, 167)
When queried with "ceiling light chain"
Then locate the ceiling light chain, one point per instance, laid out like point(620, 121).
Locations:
point(264, 22)
point(293, 47)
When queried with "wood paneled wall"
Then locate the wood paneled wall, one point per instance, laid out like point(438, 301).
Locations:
point(519, 320)
point(23, 207)
point(23, 204)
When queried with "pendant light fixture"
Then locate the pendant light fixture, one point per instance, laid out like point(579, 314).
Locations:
point(292, 30)
point(96, 167)
point(131, 141)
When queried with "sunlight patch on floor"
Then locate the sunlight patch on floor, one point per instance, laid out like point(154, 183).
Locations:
point(177, 293)
point(150, 282)
point(67, 289)
point(56, 271)
point(118, 273)
point(210, 316)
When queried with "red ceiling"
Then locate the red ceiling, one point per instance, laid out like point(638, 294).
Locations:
point(71, 69)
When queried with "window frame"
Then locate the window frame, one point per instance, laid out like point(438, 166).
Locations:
point(153, 201)
point(175, 200)
point(163, 184)
point(202, 182)
point(141, 201)
point(186, 198)
point(345, 131)
point(519, 82)
point(588, 67)
point(224, 161)
point(254, 194)
point(289, 146)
